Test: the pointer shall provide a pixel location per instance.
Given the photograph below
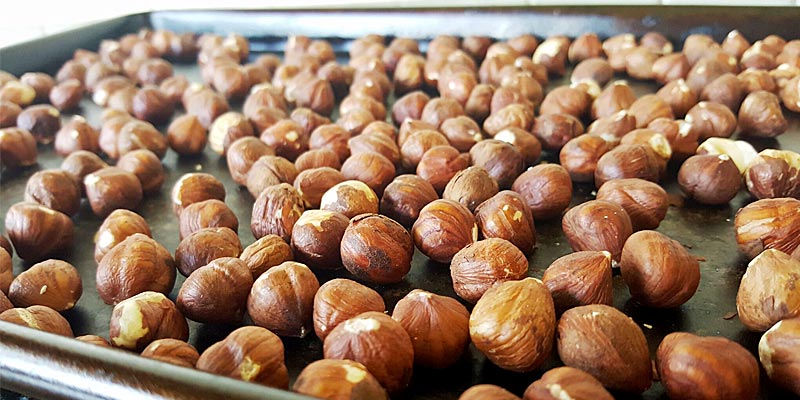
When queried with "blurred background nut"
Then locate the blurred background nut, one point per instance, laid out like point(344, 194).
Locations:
point(173, 87)
point(6, 271)
point(308, 119)
point(507, 216)
point(216, 292)
point(546, 189)
point(17, 148)
point(680, 97)
point(195, 187)
point(726, 90)
point(376, 249)
point(724, 368)
point(8, 113)
point(316, 237)
point(409, 106)
point(52, 283)
point(617, 96)
point(111, 188)
point(242, 348)
point(584, 230)
point(480, 265)
point(358, 339)
point(205, 245)
point(282, 299)
point(206, 214)
point(760, 115)
point(146, 166)
point(350, 198)
point(43, 121)
point(639, 62)
point(265, 253)
point(287, 137)
point(710, 179)
point(596, 69)
point(40, 318)
point(774, 173)
point(152, 105)
point(616, 47)
point(777, 355)
point(226, 129)
point(17, 93)
point(94, 339)
point(645, 202)
point(587, 334)
point(137, 134)
point(55, 189)
point(513, 324)
point(487, 391)
point(404, 198)
point(172, 351)
point(144, 318)
point(41, 83)
point(575, 383)
point(135, 265)
point(443, 228)
point(566, 100)
point(552, 53)
point(76, 134)
point(765, 294)
point(37, 231)
point(580, 279)
point(339, 300)
point(513, 115)
point(768, 224)
point(378, 143)
point(585, 46)
point(417, 143)
point(423, 315)
point(628, 161)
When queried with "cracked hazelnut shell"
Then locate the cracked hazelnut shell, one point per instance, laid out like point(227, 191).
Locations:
point(769, 224)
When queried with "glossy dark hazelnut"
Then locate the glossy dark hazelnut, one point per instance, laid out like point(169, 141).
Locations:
point(546, 189)
point(409, 106)
point(152, 105)
point(316, 237)
point(52, 283)
point(580, 155)
point(501, 160)
point(616, 97)
point(760, 115)
point(552, 53)
point(371, 168)
point(206, 214)
point(443, 228)
point(109, 132)
point(555, 130)
point(628, 161)
point(376, 249)
point(485, 263)
point(507, 216)
point(710, 179)
point(649, 107)
point(439, 164)
point(43, 121)
point(268, 171)
point(419, 142)
point(115, 228)
point(339, 300)
point(186, 136)
point(580, 279)
point(680, 97)
point(243, 347)
point(773, 174)
point(8, 113)
point(55, 189)
point(471, 187)
point(41, 83)
point(597, 225)
point(38, 317)
point(144, 318)
point(204, 103)
point(709, 119)
point(137, 134)
point(76, 134)
point(17, 148)
point(205, 245)
point(671, 67)
point(726, 90)
point(768, 224)
point(146, 166)
point(110, 188)
point(216, 292)
point(275, 211)
point(566, 380)
point(282, 299)
point(137, 264)
point(645, 202)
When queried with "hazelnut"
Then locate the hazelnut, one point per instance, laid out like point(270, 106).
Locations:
point(206, 214)
point(410, 127)
point(226, 129)
point(250, 353)
point(282, 299)
point(122, 99)
point(54, 189)
point(587, 333)
point(579, 156)
point(265, 253)
point(311, 184)
point(37, 231)
point(409, 106)
point(194, 188)
point(110, 188)
point(566, 100)
point(645, 202)
point(552, 53)
point(94, 339)
point(339, 300)
point(617, 96)
point(417, 143)
point(152, 105)
point(671, 67)
point(135, 265)
point(72, 69)
point(174, 87)
point(526, 143)
point(753, 80)
point(6, 274)
point(230, 80)
point(726, 90)
point(405, 197)
point(682, 138)
point(8, 113)
point(109, 132)
point(584, 47)
point(108, 86)
point(376, 249)
point(275, 211)
point(486, 391)
point(555, 130)
point(476, 46)
point(776, 351)
point(204, 103)
point(478, 105)
point(765, 294)
point(144, 318)
point(443, 228)
point(17, 93)
point(774, 173)
point(117, 226)
point(768, 224)
point(38, 317)
point(316, 237)
point(287, 137)
point(17, 148)
point(567, 381)
point(596, 69)
point(706, 367)
point(267, 171)
point(735, 44)
point(332, 137)
point(597, 225)
point(711, 119)
point(422, 314)
point(501, 160)
point(639, 62)
point(76, 135)
point(741, 152)
point(439, 110)
point(707, 69)
point(616, 47)
point(146, 166)
point(710, 179)
point(338, 379)
point(649, 107)
point(482, 264)
point(216, 292)
point(52, 283)
point(243, 154)
point(471, 187)
point(41, 83)
point(439, 164)
point(136, 135)
point(67, 95)
point(340, 76)
point(350, 198)
point(655, 141)
point(308, 119)
point(760, 115)
point(376, 143)
point(507, 216)
point(546, 189)
point(43, 121)
point(680, 97)
point(318, 158)
point(629, 161)
point(356, 339)
point(758, 57)
point(580, 279)
point(505, 96)
point(172, 351)
point(205, 245)
point(371, 168)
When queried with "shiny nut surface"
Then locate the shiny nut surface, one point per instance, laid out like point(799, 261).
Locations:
point(135, 265)
point(645, 202)
point(141, 319)
point(38, 317)
point(216, 292)
point(480, 265)
point(252, 354)
point(597, 225)
point(204, 246)
point(580, 279)
point(507, 216)
point(37, 231)
point(776, 350)
point(443, 228)
point(282, 299)
point(566, 381)
point(376, 249)
point(52, 283)
point(334, 379)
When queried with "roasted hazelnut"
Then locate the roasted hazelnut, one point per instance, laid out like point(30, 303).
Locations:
point(174, 87)
point(205, 245)
point(552, 53)
point(153, 71)
point(707, 69)
point(439, 164)
point(710, 179)
point(616, 97)
point(645, 202)
point(282, 299)
point(172, 351)
point(580, 155)
point(136, 135)
point(568, 381)
point(507, 216)
point(726, 90)
point(409, 106)
point(55, 189)
point(584, 47)
point(52, 283)
point(774, 173)
point(207, 214)
point(566, 100)
point(597, 225)
point(41, 83)
point(758, 57)
point(350, 198)
point(628, 161)
point(265, 253)
point(595, 69)
point(639, 62)
point(653, 140)
point(94, 339)
point(765, 294)
point(340, 77)
point(670, 67)
point(371, 168)
point(308, 119)
point(649, 107)
point(122, 99)
point(76, 135)
point(338, 379)
point(742, 153)
point(109, 132)
point(505, 96)
point(375, 143)
point(229, 79)
point(478, 105)
point(17, 93)
point(476, 46)
point(332, 137)
point(501, 160)
point(186, 136)
point(37, 231)
point(735, 44)
point(8, 113)
point(682, 138)
point(706, 367)
point(43, 121)
point(287, 137)
point(204, 103)
point(110, 188)
point(656, 42)
point(555, 130)
point(17, 148)
point(768, 224)
point(405, 197)
point(487, 391)
point(616, 47)
point(410, 127)
point(6, 275)
point(711, 119)
point(438, 110)
point(382, 128)
point(355, 338)
point(546, 189)
point(471, 187)
point(243, 348)
point(753, 80)
point(146, 166)
point(151, 105)
point(226, 129)
point(482, 264)
point(195, 187)
point(580, 279)
point(680, 97)
point(135, 265)
point(144, 318)
point(376, 249)
point(318, 158)
point(216, 292)
point(275, 211)
point(40, 318)
point(777, 355)
point(118, 226)
point(72, 69)
point(760, 115)
point(526, 143)
point(587, 333)
point(311, 184)
point(523, 308)
point(415, 146)
point(316, 237)
point(443, 228)
point(243, 154)
point(339, 300)
point(659, 271)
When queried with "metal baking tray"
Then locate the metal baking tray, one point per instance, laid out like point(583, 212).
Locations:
point(44, 366)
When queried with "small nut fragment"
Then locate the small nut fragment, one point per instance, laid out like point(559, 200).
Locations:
point(566, 381)
point(597, 225)
point(282, 299)
point(774, 173)
point(52, 283)
point(377, 249)
point(480, 265)
point(38, 317)
point(115, 228)
point(766, 293)
point(250, 353)
point(645, 202)
point(216, 292)
point(265, 253)
point(710, 179)
point(144, 318)
point(443, 228)
point(37, 231)
point(777, 351)
point(172, 351)
point(580, 279)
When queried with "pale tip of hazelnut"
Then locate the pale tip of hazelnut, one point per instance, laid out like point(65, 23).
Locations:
point(661, 146)
point(359, 325)
point(353, 374)
point(91, 179)
point(249, 369)
point(26, 316)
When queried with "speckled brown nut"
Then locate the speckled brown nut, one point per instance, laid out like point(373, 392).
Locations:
point(115, 228)
point(332, 379)
point(111, 188)
point(597, 225)
point(405, 197)
point(144, 318)
point(481, 265)
point(546, 189)
point(40, 318)
point(252, 354)
point(513, 324)
point(52, 283)
point(356, 338)
point(282, 299)
point(628, 161)
point(137, 264)
point(600, 339)
point(339, 300)
point(443, 228)
point(706, 367)
point(43, 121)
point(206, 214)
point(37, 231)
point(486, 391)
point(760, 115)
point(377, 249)
point(350, 198)
point(659, 271)
point(205, 245)
point(566, 381)
point(617, 96)
point(710, 179)
point(580, 279)
point(195, 187)
point(76, 134)
point(507, 216)
point(217, 292)
point(316, 237)
point(765, 294)
point(423, 314)
point(769, 224)
point(172, 351)
point(55, 189)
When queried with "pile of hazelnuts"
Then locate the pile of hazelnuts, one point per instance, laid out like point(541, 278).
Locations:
point(451, 168)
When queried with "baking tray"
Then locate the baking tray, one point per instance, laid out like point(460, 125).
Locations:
point(41, 365)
